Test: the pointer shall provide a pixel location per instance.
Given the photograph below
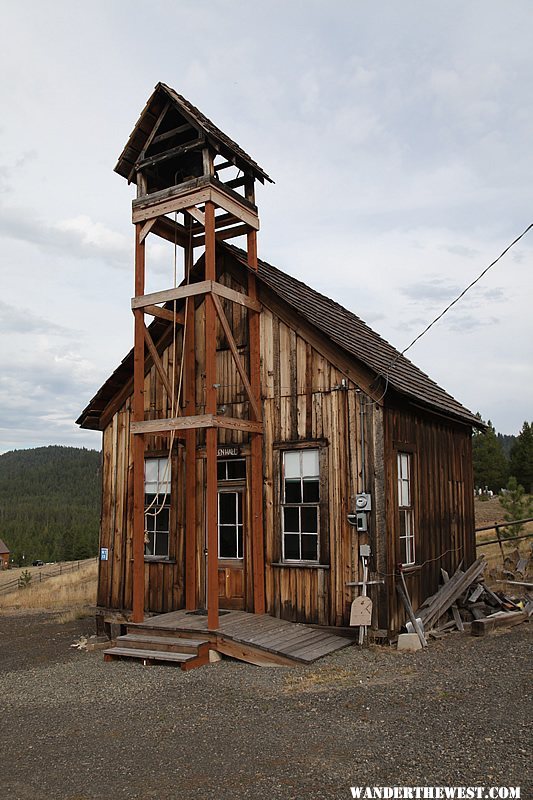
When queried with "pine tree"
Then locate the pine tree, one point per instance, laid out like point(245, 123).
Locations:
point(521, 466)
point(517, 505)
point(491, 468)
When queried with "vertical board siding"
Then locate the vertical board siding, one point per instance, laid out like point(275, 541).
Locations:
point(306, 399)
point(444, 501)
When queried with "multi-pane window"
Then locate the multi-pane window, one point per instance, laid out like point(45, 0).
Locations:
point(406, 510)
point(230, 525)
point(231, 469)
point(156, 506)
point(300, 505)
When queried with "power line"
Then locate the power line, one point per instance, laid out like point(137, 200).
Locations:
point(450, 305)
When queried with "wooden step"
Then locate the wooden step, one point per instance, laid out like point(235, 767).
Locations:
point(170, 644)
point(144, 629)
point(185, 660)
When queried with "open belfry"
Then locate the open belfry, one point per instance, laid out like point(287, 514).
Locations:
point(179, 161)
point(268, 459)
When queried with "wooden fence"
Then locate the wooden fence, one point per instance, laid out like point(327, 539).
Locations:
point(51, 571)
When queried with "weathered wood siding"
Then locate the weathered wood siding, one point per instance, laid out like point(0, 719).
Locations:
point(444, 500)
point(307, 400)
point(304, 400)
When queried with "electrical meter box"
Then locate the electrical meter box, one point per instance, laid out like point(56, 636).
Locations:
point(363, 502)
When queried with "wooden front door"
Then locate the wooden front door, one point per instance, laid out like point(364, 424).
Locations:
point(231, 572)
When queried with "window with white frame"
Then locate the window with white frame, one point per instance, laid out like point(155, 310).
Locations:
point(156, 507)
point(406, 509)
point(300, 508)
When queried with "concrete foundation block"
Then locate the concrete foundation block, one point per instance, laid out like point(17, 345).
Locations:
point(409, 642)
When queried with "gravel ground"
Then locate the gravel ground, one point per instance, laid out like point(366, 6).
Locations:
point(74, 728)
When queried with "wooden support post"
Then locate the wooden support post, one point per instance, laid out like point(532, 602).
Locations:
point(211, 433)
point(138, 441)
point(258, 565)
point(191, 587)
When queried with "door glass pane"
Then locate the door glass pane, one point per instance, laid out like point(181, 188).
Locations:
point(228, 541)
point(292, 546)
point(310, 463)
point(227, 507)
point(239, 541)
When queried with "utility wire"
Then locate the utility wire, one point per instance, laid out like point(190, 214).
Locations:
point(450, 305)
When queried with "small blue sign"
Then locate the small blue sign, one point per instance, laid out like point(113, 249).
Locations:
point(104, 553)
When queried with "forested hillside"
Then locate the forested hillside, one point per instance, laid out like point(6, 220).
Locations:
point(50, 503)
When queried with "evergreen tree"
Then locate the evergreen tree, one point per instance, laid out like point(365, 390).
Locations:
point(521, 466)
point(50, 503)
point(491, 468)
point(517, 505)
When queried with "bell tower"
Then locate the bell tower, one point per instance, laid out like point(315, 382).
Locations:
point(194, 186)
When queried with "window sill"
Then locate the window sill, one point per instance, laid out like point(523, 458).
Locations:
point(159, 560)
point(299, 565)
point(408, 568)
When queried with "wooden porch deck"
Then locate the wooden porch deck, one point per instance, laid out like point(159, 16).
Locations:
point(255, 638)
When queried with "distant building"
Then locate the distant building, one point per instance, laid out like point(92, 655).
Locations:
point(4, 555)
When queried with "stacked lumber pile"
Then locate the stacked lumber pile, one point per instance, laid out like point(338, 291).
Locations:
point(517, 566)
point(464, 601)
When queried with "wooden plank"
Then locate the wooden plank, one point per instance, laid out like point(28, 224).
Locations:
point(180, 150)
point(226, 233)
point(175, 203)
point(503, 619)
point(191, 574)
point(249, 654)
point(168, 295)
point(192, 289)
point(164, 313)
point(172, 132)
point(138, 441)
point(211, 435)
point(170, 230)
point(198, 215)
point(455, 610)
point(151, 136)
point(196, 421)
point(257, 506)
point(236, 357)
point(146, 228)
point(236, 297)
point(157, 362)
point(233, 205)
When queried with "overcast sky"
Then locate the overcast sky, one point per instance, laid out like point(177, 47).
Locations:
point(399, 135)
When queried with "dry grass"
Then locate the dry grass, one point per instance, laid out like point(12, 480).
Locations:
point(73, 592)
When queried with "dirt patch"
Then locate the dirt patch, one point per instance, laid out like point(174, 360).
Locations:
point(75, 728)
point(41, 638)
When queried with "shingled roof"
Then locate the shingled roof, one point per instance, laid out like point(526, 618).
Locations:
point(3, 548)
point(348, 331)
point(143, 127)
point(342, 327)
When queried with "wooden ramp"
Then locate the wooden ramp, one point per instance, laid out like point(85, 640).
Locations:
point(255, 638)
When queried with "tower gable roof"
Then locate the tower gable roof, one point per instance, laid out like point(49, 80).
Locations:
point(217, 138)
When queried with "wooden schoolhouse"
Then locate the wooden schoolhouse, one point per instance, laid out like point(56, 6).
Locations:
point(264, 450)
